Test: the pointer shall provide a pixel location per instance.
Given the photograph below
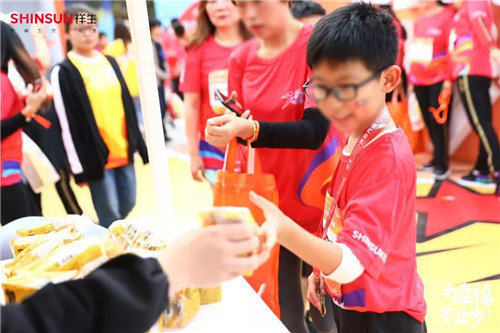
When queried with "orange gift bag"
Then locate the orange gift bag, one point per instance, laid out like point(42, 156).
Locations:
point(232, 189)
point(399, 113)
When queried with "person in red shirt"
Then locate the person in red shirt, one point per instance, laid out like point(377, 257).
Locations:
point(430, 74)
point(365, 257)
point(218, 33)
point(266, 75)
point(15, 201)
point(473, 47)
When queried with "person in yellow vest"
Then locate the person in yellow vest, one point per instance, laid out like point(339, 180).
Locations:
point(98, 120)
point(121, 50)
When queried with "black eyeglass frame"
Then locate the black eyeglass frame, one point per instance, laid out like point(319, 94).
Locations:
point(334, 90)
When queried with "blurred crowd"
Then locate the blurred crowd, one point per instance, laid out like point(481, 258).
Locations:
point(83, 119)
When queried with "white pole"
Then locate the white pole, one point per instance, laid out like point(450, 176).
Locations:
point(143, 52)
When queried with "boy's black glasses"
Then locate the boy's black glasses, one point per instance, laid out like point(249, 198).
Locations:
point(343, 92)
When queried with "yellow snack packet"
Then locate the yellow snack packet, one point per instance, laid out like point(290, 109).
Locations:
point(229, 215)
point(210, 295)
point(34, 253)
point(181, 309)
point(82, 255)
point(226, 215)
point(123, 234)
point(21, 286)
point(148, 240)
point(54, 225)
point(17, 245)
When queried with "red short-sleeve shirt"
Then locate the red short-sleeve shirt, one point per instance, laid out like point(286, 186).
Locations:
point(378, 208)
point(272, 90)
point(207, 70)
point(11, 147)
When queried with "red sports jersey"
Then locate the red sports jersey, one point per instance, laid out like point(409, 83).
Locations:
point(11, 147)
point(377, 209)
point(272, 90)
point(207, 70)
point(429, 56)
point(472, 40)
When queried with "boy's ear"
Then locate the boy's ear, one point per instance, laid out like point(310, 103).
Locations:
point(390, 78)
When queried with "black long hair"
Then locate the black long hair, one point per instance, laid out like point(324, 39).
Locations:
point(12, 48)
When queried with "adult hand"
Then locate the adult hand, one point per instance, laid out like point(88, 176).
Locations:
point(35, 99)
point(312, 293)
point(222, 129)
point(211, 255)
point(197, 168)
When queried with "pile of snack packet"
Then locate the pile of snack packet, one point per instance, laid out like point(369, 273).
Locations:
point(57, 251)
point(186, 303)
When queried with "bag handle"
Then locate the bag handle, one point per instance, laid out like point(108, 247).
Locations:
point(253, 162)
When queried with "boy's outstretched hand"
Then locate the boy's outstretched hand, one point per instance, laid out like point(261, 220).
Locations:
point(275, 219)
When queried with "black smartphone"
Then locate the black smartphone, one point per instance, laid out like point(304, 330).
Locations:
point(228, 103)
point(37, 85)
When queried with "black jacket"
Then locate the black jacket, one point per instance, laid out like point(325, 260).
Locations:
point(126, 294)
point(89, 145)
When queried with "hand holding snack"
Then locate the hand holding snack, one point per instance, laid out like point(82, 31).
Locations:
point(209, 256)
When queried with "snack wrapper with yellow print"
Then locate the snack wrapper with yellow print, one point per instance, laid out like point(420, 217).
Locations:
point(19, 244)
point(181, 309)
point(23, 285)
point(54, 225)
point(121, 236)
point(35, 253)
point(210, 295)
point(229, 215)
point(83, 256)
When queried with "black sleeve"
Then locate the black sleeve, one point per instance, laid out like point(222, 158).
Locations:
point(308, 133)
point(12, 124)
point(126, 294)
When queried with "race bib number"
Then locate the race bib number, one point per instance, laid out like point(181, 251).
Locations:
point(217, 80)
point(421, 50)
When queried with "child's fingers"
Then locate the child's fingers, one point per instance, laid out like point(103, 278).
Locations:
point(268, 236)
point(267, 206)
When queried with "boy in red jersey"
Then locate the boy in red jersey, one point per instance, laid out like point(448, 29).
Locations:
point(368, 263)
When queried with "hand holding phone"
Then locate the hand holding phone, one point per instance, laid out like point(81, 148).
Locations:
point(37, 85)
point(228, 103)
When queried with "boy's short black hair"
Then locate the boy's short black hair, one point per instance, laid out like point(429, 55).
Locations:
point(358, 31)
point(307, 8)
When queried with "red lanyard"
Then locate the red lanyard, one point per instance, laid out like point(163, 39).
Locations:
point(368, 135)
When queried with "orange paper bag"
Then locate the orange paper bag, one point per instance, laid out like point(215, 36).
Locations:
point(232, 189)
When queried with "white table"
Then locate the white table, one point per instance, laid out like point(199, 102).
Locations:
point(241, 310)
